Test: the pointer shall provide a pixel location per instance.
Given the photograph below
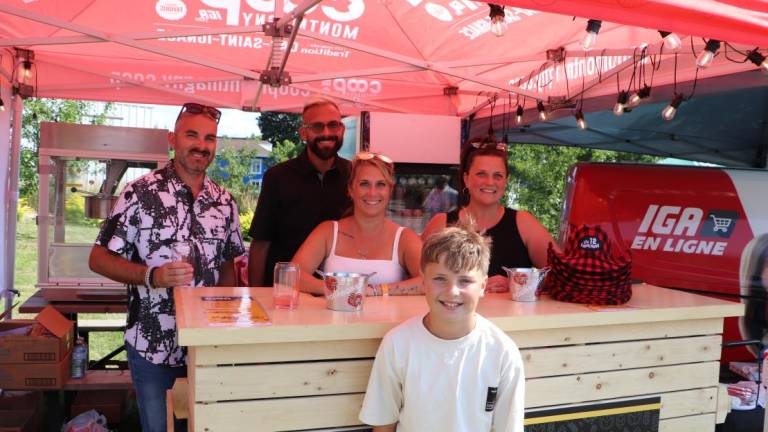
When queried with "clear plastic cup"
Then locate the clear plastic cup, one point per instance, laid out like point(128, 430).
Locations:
point(285, 288)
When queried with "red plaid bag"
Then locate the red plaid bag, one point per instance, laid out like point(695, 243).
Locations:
point(591, 270)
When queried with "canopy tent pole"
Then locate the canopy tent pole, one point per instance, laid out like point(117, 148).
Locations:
point(11, 201)
point(296, 15)
point(5, 147)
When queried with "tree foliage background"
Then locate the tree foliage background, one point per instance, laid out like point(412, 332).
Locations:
point(276, 127)
point(537, 176)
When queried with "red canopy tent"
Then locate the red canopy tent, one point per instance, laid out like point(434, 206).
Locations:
point(412, 56)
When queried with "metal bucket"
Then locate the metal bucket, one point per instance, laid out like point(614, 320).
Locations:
point(345, 291)
point(524, 283)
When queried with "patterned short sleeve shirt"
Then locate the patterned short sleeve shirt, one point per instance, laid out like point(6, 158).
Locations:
point(152, 213)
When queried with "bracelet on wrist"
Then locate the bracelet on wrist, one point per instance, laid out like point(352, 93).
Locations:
point(374, 290)
point(148, 277)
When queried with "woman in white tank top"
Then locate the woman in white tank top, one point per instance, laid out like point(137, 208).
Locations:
point(366, 241)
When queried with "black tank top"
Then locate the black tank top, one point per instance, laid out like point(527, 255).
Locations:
point(507, 248)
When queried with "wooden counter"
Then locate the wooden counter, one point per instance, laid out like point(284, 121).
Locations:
point(309, 368)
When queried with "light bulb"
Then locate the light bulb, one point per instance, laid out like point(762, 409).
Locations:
point(580, 120)
point(589, 40)
point(498, 24)
point(668, 113)
point(672, 41)
point(542, 111)
point(758, 59)
point(618, 109)
point(621, 103)
point(705, 57)
point(633, 101)
point(519, 114)
point(593, 28)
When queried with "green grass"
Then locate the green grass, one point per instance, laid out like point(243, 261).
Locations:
point(25, 277)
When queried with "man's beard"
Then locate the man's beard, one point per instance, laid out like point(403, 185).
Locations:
point(325, 153)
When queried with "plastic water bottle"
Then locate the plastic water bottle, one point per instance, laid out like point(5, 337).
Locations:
point(79, 359)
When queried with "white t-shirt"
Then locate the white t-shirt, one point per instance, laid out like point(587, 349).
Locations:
point(424, 383)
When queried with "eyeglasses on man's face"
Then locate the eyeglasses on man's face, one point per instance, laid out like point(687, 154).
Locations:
point(318, 127)
point(196, 108)
point(368, 156)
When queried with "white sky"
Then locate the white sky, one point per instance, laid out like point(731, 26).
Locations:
point(234, 123)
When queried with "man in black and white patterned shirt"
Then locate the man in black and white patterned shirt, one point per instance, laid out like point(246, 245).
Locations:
point(172, 204)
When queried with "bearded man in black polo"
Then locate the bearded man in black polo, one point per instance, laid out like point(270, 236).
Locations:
point(298, 194)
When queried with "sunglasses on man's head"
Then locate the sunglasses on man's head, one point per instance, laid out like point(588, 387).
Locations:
point(368, 156)
point(319, 127)
point(196, 108)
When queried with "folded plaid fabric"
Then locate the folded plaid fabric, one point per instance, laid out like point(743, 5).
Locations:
point(591, 269)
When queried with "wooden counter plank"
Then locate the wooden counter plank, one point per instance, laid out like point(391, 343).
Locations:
point(363, 348)
point(623, 332)
point(541, 362)
point(311, 379)
point(280, 414)
point(699, 423)
point(342, 410)
point(281, 380)
point(313, 322)
point(290, 351)
point(615, 384)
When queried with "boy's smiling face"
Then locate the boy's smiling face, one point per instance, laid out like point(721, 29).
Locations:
point(452, 298)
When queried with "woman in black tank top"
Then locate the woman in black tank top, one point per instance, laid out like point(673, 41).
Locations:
point(518, 238)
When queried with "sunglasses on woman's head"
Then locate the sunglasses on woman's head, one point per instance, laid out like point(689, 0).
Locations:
point(497, 145)
point(318, 127)
point(196, 108)
point(368, 156)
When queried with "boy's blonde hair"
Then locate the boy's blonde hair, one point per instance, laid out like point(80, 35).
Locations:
point(461, 247)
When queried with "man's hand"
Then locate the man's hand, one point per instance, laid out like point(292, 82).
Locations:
point(497, 284)
point(173, 274)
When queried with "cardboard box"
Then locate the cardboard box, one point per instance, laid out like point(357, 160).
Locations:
point(40, 360)
point(51, 347)
point(42, 376)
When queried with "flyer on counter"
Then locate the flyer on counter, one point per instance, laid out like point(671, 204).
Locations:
point(241, 311)
point(610, 308)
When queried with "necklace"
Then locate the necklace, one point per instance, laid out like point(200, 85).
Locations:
point(363, 252)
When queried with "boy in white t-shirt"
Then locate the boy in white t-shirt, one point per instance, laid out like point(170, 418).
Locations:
point(450, 370)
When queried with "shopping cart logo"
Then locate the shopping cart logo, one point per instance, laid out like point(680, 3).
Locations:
point(719, 223)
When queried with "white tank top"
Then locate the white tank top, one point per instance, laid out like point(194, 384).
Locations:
point(387, 271)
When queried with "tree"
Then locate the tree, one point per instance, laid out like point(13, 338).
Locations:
point(537, 176)
point(58, 110)
point(277, 127)
point(232, 170)
point(284, 151)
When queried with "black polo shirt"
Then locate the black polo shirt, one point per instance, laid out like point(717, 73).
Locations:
point(293, 201)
